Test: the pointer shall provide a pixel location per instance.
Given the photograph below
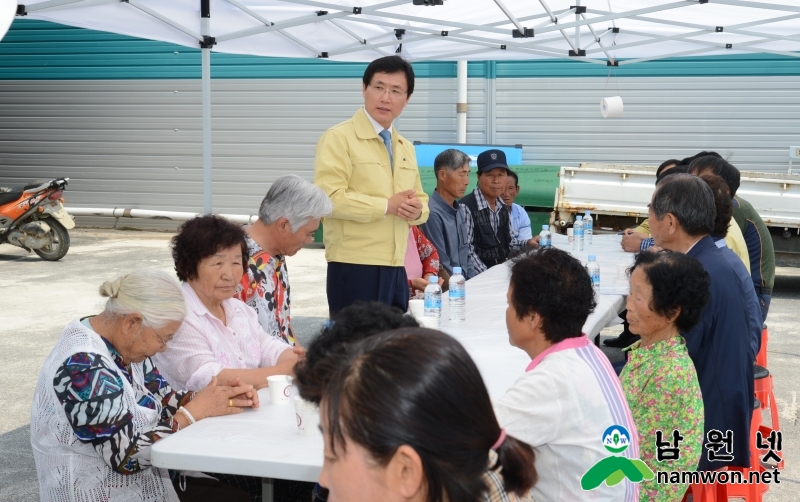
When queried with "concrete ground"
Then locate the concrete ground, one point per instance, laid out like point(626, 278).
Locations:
point(39, 298)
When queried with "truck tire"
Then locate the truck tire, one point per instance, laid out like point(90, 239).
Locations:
point(60, 245)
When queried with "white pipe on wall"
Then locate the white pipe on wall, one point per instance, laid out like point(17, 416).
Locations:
point(119, 212)
point(461, 106)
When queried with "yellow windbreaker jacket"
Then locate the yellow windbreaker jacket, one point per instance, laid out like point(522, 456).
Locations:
point(352, 167)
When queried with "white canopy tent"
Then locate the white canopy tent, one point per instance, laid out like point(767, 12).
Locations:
point(605, 32)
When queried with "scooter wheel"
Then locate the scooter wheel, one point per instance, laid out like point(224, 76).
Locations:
point(60, 245)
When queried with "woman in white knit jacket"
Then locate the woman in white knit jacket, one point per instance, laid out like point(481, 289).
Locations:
point(100, 403)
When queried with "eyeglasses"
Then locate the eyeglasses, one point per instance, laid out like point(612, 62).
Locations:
point(393, 93)
point(161, 340)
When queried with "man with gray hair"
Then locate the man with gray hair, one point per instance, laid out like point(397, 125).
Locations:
point(446, 227)
point(287, 220)
point(682, 213)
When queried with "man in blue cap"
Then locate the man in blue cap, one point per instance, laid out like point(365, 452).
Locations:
point(487, 217)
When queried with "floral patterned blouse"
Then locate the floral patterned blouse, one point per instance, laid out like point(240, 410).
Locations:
point(91, 393)
point(427, 255)
point(265, 288)
point(661, 386)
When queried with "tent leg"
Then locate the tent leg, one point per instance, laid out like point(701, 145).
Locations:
point(577, 28)
point(206, 130)
point(206, 96)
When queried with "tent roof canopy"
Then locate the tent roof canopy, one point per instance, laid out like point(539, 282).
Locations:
point(595, 31)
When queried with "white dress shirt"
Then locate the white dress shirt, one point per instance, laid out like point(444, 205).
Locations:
point(378, 129)
point(204, 346)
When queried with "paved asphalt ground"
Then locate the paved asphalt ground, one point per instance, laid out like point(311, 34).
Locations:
point(38, 298)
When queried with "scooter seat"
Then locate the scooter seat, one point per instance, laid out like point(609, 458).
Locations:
point(10, 196)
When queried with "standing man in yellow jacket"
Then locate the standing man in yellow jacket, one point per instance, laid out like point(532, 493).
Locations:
point(370, 173)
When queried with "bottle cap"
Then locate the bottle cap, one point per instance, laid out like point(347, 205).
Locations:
point(588, 213)
point(545, 227)
point(592, 257)
point(433, 279)
point(456, 270)
point(579, 217)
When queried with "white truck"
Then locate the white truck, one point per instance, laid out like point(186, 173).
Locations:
point(618, 195)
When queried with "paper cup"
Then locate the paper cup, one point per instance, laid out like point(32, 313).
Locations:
point(622, 271)
point(280, 388)
point(417, 308)
point(307, 414)
point(570, 236)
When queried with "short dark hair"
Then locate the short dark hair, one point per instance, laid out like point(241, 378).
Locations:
point(679, 282)
point(688, 198)
point(689, 160)
point(419, 387)
point(720, 167)
point(391, 64)
point(351, 324)
point(723, 204)
point(450, 159)
point(556, 286)
point(666, 164)
point(514, 175)
point(202, 237)
point(674, 170)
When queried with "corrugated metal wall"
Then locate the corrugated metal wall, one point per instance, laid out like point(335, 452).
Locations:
point(103, 110)
point(138, 143)
point(750, 120)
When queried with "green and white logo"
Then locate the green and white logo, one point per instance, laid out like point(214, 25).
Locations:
point(612, 470)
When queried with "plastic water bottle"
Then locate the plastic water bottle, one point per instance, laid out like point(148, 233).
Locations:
point(545, 240)
point(433, 300)
point(577, 232)
point(594, 272)
point(458, 296)
point(588, 227)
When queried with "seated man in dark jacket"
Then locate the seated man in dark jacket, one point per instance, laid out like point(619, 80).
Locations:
point(488, 219)
point(682, 214)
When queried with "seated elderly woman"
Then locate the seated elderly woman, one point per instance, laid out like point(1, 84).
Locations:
point(100, 402)
point(421, 262)
point(221, 335)
point(405, 415)
point(668, 293)
point(287, 219)
point(569, 395)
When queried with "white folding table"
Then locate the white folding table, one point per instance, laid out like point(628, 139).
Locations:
point(265, 442)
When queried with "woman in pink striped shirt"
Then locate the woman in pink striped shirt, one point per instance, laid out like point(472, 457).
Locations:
point(221, 336)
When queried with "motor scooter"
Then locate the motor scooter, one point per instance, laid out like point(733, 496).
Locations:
point(33, 217)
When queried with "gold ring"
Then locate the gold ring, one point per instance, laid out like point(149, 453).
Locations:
point(230, 403)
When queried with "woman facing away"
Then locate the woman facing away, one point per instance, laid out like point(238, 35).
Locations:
point(406, 417)
point(100, 403)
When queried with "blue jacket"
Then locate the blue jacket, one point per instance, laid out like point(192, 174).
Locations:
point(447, 230)
point(754, 319)
point(720, 347)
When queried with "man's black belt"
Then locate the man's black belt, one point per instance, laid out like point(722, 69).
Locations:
point(763, 291)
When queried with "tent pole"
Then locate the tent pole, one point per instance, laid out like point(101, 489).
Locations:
point(205, 27)
point(461, 105)
point(578, 28)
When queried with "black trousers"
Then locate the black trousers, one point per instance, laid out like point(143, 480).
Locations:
point(349, 283)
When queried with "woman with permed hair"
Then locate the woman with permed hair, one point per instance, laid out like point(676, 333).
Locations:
point(568, 398)
point(668, 293)
point(221, 336)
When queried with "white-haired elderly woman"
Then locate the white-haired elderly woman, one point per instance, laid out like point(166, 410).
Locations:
point(287, 220)
point(100, 402)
